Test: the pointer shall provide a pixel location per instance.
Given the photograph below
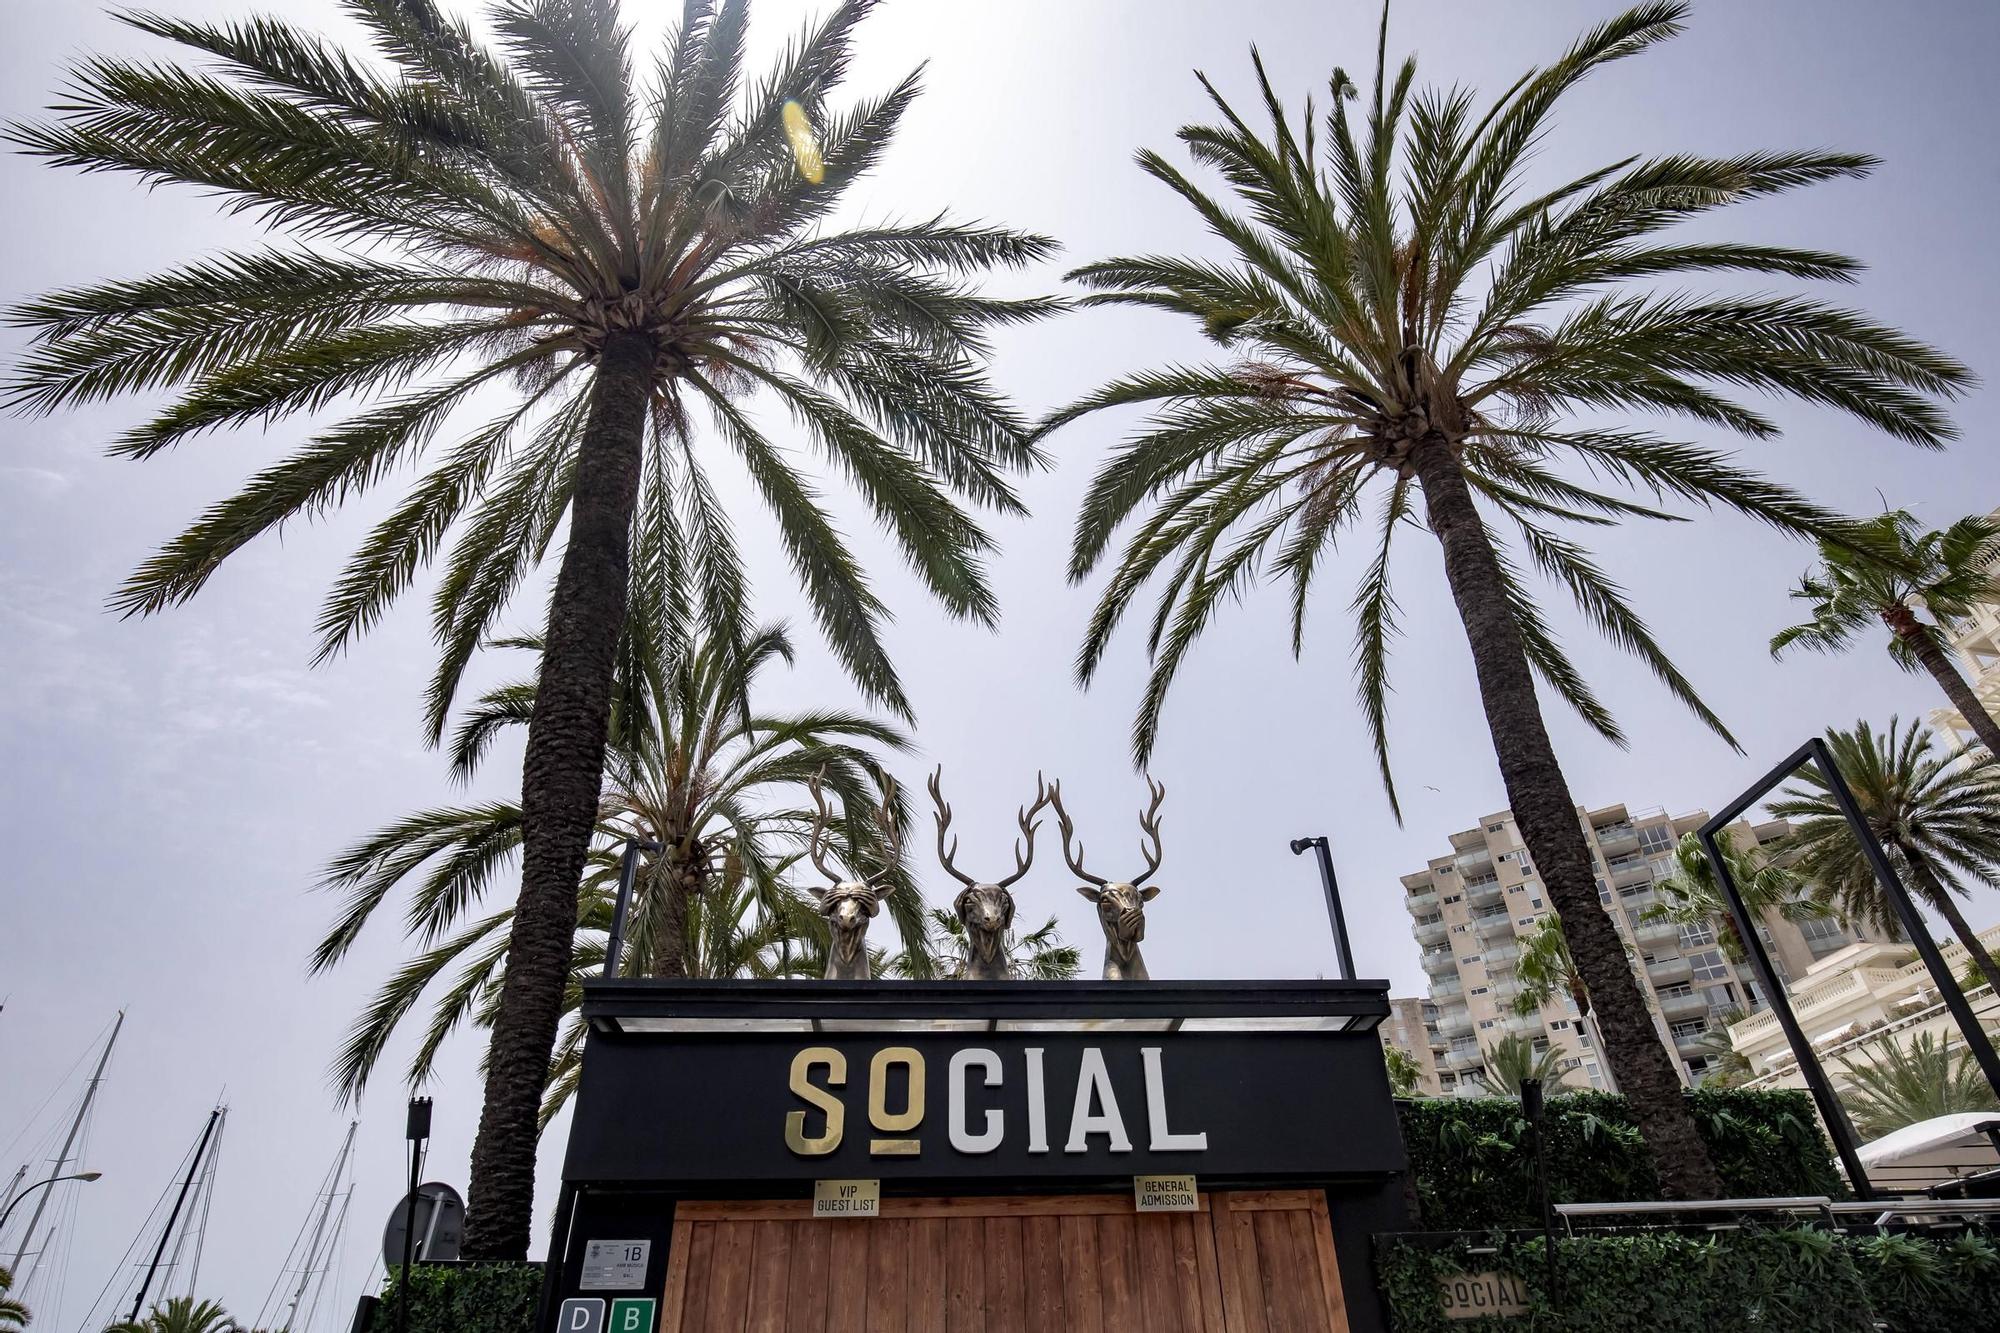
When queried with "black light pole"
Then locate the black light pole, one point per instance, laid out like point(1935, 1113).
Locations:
point(417, 1131)
point(1531, 1111)
point(628, 870)
point(1332, 887)
point(15, 1202)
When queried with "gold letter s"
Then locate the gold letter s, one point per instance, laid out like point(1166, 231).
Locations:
point(836, 1114)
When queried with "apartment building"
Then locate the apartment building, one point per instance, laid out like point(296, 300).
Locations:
point(1470, 909)
point(1975, 643)
point(1408, 1028)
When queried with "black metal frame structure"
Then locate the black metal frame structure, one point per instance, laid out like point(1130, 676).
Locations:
point(1816, 753)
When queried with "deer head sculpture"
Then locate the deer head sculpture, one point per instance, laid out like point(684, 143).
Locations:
point(987, 910)
point(850, 904)
point(1121, 906)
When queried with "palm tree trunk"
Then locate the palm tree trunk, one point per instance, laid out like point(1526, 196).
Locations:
point(1904, 623)
point(1938, 895)
point(560, 780)
point(1540, 798)
point(670, 958)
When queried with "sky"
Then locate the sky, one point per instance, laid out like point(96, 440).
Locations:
point(171, 787)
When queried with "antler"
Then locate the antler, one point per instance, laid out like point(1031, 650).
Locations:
point(816, 841)
point(1063, 823)
point(1026, 818)
point(892, 835)
point(1149, 828)
point(943, 817)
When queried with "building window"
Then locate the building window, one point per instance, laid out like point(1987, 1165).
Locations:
point(1485, 1023)
point(1477, 990)
point(1495, 828)
point(1451, 897)
point(1823, 934)
point(1468, 958)
point(1708, 965)
point(1655, 838)
point(1697, 935)
point(1692, 1027)
point(1534, 902)
point(1524, 921)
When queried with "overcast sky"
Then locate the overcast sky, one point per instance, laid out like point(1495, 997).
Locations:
point(172, 786)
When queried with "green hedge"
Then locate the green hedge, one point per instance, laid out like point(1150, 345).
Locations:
point(1803, 1281)
point(465, 1298)
point(1471, 1173)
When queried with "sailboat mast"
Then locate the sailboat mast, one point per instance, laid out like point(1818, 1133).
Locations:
point(69, 1141)
point(159, 1252)
point(319, 1229)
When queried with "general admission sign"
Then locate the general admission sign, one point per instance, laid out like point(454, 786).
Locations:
point(995, 1155)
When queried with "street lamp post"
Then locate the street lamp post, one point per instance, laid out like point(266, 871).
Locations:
point(15, 1202)
point(1332, 887)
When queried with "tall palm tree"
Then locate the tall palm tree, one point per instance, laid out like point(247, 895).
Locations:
point(1039, 955)
point(637, 250)
point(692, 768)
point(1692, 896)
point(1512, 1060)
point(1893, 570)
point(1902, 1084)
point(14, 1316)
point(1937, 817)
point(181, 1314)
point(1408, 308)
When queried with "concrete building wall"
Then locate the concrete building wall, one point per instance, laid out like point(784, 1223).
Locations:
point(1975, 642)
point(1407, 1029)
point(1470, 909)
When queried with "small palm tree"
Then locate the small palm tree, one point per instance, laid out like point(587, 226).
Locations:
point(1937, 817)
point(1693, 896)
point(692, 768)
point(1902, 1084)
point(1039, 955)
point(1412, 324)
point(181, 1314)
point(638, 247)
point(1892, 570)
point(1727, 1066)
point(1406, 1076)
point(1512, 1060)
point(1545, 970)
point(13, 1315)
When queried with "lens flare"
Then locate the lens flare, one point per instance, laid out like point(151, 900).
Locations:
point(805, 144)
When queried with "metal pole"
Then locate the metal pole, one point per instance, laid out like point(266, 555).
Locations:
point(1531, 1110)
point(160, 1250)
point(1342, 948)
point(417, 1129)
point(628, 869)
point(1909, 917)
point(75, 1126)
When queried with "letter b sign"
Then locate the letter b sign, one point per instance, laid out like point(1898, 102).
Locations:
point(631, 1314)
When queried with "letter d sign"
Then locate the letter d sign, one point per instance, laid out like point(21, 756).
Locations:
point(581, 1314)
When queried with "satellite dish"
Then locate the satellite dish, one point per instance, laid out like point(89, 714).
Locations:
point(440, 1225)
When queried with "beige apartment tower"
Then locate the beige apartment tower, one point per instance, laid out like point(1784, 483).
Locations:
point(1470, 909)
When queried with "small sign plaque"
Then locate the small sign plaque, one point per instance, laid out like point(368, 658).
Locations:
point(631, 1314)
point(581, 1314)
point(1475, 1295)
point(847, 1198)
point(1166, 1194)
point(615, 1265)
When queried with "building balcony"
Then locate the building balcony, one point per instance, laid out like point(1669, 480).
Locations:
point(1450, 988)
point(1691, 1040)
point(1656, 931)
point(1463, 1057)
point(1522, 1025)
point(1483, 892)
point(1617, 838)
point(1666, 971)
point(1438, 962)
point(1457, 1023)
point(1431, 932)
point(1490, 924)
point(1502, 958)
point(1628, 870)
point(1677, 1002)
point(1422, 904)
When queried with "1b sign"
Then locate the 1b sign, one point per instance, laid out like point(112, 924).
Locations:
point(631, 1314)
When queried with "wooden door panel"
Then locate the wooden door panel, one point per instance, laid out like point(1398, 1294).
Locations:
point(1248, 1262)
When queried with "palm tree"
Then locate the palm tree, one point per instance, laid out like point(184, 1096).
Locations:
point(14, 1316)
point(634, 254)
point(1409, 308)
point(1727, 1066)
point(1405, 1074)
point(691, 767)
point(1902, 1085)
point(1692, 896)
point(1511, 1060)
point(181, 1314)
point(1936, 816)
point(1039, 955)
point(1893, 570)
point(1546, 970)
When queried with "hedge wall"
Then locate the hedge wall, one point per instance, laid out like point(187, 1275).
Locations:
point(464, 1298)
point(1784, 1281)
point(1471, 1172)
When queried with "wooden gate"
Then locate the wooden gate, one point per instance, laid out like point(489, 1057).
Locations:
point(1249, 1262)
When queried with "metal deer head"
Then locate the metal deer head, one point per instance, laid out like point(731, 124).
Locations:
point(987, 910)
point(1121, 905)
point(850, 904)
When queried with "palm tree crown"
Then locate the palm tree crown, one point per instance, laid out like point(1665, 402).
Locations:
point(181, 1314)
point(1901, 1084)
point(719, 787)
point(1039, 955)
point(1888, 571)
point(1512, 1060)
point(1692, 896)
point(14, 1316)
point(1407, 317)
point(1936, 815)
